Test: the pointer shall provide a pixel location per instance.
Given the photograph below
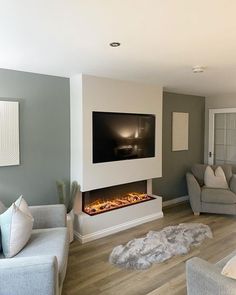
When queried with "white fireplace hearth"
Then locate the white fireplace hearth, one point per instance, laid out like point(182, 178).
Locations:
point(88, 228)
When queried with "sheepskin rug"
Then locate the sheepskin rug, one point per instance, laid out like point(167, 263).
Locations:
point(158, 246)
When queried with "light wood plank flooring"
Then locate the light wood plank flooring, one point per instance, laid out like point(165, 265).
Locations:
point(89, 272)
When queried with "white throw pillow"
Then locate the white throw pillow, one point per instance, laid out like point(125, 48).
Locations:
point(215, 179)
point(16, 228)
point(229, 269)
point(23, 206)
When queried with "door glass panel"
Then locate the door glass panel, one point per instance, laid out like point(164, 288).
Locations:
point(225, 138)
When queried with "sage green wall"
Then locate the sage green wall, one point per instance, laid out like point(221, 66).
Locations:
point(176, 164)
point(44, 136)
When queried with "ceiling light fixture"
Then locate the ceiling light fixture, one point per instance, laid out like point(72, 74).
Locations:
point(115, 44)
point(198, 69)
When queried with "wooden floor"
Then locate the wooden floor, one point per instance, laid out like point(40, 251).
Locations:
point(89, 272)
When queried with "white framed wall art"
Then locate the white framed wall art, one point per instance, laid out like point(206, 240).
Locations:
point(9, 133)
point(180, 130)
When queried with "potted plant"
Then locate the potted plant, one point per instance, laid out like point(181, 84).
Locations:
point(67, 197)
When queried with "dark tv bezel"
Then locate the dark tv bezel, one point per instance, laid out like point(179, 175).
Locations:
point(123, 113)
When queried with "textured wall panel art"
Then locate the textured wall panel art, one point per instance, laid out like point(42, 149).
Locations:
point(180, 131)
point(9, 133)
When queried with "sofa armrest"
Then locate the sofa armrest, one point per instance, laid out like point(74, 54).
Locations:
point(48, 216)
point(31, 276)
point(194, 191)
point(206, 278)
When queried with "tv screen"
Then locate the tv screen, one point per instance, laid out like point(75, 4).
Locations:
point(122, 136)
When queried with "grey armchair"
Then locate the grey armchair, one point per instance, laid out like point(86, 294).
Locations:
point(211, 200)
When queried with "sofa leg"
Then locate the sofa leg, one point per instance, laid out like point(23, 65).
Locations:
point(196, 213)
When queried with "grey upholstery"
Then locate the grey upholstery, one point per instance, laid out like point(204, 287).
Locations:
point(206, 278)
point(217, 195)
point(49, 216)
point(49, 242)
point(40, 267)
point(203, 199)
point(35, 275)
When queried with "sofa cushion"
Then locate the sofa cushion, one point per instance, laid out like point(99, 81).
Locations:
point(16, 228)
point(217, 195)
point(215, 179)
point(229, 270)
point(52, 242)
point(2, 209)
point(224, 260)
point(198, 171)
point(23, 206)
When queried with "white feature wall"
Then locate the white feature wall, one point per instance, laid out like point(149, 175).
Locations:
point(90, 94)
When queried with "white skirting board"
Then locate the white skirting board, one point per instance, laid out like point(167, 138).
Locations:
point(175, 201)
point(88, 228)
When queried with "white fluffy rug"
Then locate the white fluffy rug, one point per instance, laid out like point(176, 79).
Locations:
point(158, 246)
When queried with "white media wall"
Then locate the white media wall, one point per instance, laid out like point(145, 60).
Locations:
point(90, 94)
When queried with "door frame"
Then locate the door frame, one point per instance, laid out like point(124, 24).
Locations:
point(211, 136)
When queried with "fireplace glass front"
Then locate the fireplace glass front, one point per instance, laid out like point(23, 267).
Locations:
point(102, 200)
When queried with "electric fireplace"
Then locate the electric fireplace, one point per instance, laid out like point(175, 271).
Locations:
point(103, 200)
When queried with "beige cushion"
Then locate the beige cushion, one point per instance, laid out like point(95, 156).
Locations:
point(215, 179)
point(23, 206)
point(198, 171)
point(229, 269)
point(16, 228)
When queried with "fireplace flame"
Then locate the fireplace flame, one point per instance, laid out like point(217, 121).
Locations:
point(100, 205)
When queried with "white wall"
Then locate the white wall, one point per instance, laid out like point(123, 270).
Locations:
point(216, 102)
point(109, 95)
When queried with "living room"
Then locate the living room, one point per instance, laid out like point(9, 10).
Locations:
point(117, 147)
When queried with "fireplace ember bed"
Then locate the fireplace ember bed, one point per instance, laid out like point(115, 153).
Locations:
point(101, 206)
point(116, 197)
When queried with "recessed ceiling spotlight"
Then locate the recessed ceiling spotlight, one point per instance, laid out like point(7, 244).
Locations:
point(114, 44)
point(198, 69)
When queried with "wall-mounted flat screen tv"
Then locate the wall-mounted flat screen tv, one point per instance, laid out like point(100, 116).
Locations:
point(122, 136)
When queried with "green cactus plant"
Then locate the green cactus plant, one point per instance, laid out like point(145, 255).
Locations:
point(65, 197)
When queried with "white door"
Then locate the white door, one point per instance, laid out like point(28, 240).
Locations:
point(222, 136)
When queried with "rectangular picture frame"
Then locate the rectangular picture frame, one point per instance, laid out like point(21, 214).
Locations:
point(9, 133)
point(180, 131)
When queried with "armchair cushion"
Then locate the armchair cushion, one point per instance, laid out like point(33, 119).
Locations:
point(198, 171)
point(215, 179)
point(233, 183)
point(217, 195)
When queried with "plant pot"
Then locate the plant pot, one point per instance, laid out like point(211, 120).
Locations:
point(70, 225)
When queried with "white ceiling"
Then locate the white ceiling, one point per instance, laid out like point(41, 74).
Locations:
point(161, 40)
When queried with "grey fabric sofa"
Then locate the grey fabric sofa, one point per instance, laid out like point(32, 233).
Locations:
point(211, 200)
point(40, 267)
point(206, 278)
